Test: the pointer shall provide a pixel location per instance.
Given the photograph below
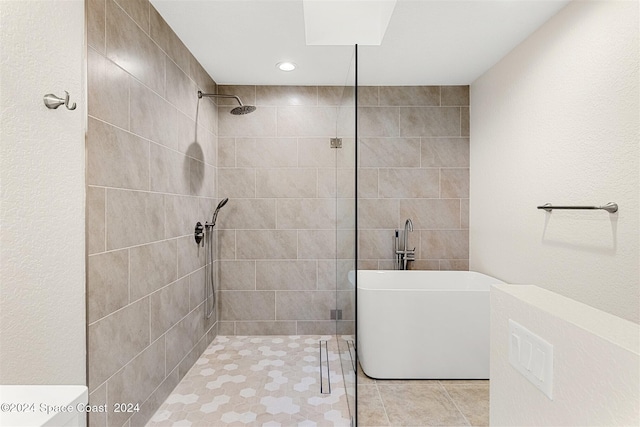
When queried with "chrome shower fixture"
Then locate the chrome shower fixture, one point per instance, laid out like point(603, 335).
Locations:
point(215, 213)
point(238, 111)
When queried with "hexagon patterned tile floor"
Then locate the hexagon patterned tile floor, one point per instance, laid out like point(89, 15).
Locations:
point(268, 381)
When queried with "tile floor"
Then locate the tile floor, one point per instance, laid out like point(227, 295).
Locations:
point(422, 402)
point(265, 381)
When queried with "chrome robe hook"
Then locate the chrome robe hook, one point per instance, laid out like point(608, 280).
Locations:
point(52, 101)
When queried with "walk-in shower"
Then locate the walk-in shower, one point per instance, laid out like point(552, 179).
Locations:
point(238, 111)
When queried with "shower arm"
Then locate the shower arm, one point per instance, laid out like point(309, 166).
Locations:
point(219, 95)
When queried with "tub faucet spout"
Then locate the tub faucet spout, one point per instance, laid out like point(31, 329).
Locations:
point(407, 254)
point(408, 226)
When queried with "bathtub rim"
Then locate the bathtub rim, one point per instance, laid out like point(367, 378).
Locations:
point(414, 280)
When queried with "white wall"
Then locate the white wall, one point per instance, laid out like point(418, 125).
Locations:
point(42, 267)
point(557, 120)
point(596, 362)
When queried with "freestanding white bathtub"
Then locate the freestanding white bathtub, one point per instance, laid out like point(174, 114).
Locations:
point(424, 324)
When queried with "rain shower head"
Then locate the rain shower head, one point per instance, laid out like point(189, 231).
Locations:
point(238, 111)
point(243, 109)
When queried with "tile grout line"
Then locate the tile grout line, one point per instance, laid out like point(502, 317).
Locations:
point(454, 403)
point(384, 408)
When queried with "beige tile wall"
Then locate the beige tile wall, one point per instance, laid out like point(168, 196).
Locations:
point(289, 192)
point(149, 180)
point(283, 223)
point(414, 163)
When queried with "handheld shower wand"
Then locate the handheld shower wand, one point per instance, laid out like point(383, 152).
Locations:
point(215, 213)
point(209, 276)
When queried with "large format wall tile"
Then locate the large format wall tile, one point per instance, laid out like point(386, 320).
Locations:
point(266, 328)
point(168, 306)
point(183, 336)
point(181, 91)
point(455, 95)
point(411, 183)
point(430, 121)
point(307, 214)
point(168, 41)
point(306, 121)
point(378, 213)
point(431, 214)
point(237, 275)
point(180, 215)
point(107, 284)
point(390, 152)
point(116, 158)
point(108, 87)
point(335, 95)
point(266, 244)
point(286, 183)
point(424, 169)
point(378, 122)
point(301, 305)
point(138, 10)
point(151, 174)
point(445, 244)
point(153, 266)
point(95, 24)
point(316, 152)
point(445, 152)
point(170, 171)
point(247, 305)
point(197, 287)
point(286, 275)
point(454, 182)
point(410, 95)
point(286, 95)
point(132, 49)
point(116, 339)
point(133, 218)
point(191, 256)
point(266, 152)
point(151, 116)
point(96, 225)
point(247, 214)
point(237, 182)
point(139, 378)
point(316, 244)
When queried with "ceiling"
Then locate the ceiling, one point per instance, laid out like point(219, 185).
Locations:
point(427, 42)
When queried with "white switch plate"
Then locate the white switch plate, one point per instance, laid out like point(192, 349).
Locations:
point(532, 356)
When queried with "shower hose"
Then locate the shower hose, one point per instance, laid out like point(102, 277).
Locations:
point(209, 276)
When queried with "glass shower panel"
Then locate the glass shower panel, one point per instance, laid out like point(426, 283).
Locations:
point(345, 161)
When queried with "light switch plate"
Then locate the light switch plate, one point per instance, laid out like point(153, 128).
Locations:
point(532, 356)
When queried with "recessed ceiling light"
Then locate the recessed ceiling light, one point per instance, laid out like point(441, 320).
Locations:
point(286, 66)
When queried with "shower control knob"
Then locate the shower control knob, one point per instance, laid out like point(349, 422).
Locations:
point(199, 232)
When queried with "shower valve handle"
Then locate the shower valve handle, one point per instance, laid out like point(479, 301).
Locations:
point(199, 233)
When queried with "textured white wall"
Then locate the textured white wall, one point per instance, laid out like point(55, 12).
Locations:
point(596, 365)
point(557, 121)
point(42, 267)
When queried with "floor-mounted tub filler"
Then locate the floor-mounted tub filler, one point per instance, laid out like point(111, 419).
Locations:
point(424, 324)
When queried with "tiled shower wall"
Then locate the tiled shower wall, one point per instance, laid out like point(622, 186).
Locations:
point(414, 163)
point(279, 242)
point(151, 176)
point(284, 227)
